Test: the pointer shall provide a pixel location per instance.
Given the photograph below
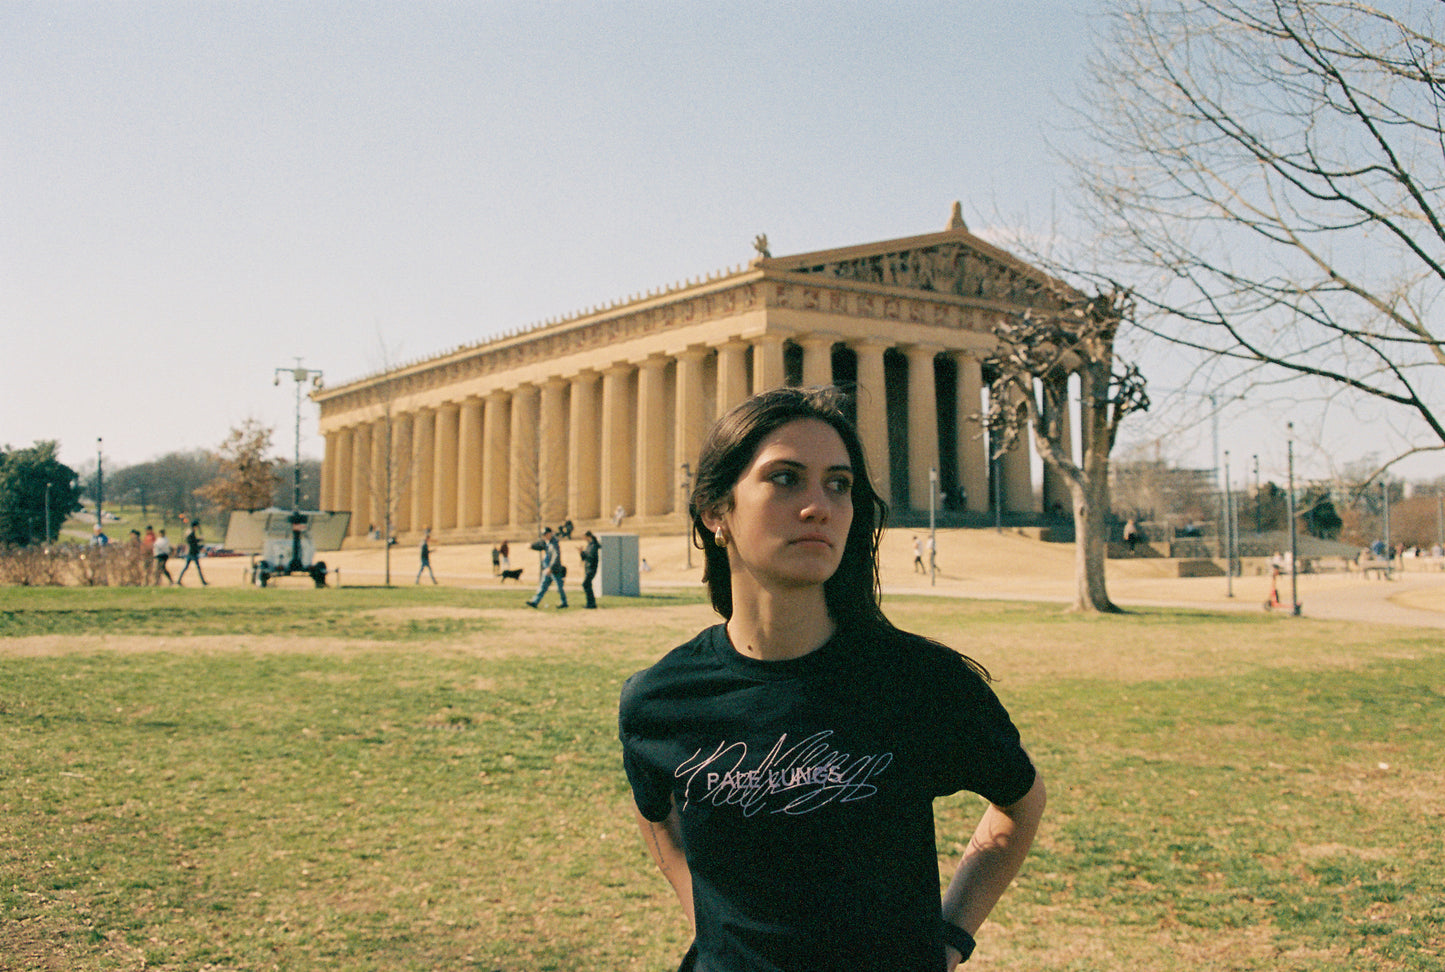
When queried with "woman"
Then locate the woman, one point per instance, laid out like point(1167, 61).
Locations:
point(784, 763)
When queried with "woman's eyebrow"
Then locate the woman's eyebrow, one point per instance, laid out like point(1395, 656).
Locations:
point(795, 464)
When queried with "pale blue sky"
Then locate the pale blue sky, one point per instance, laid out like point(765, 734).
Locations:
point(193, 194)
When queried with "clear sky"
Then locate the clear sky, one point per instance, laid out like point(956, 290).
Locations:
point(194, 194)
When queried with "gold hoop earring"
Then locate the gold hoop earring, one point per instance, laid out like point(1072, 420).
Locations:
point(720, 538)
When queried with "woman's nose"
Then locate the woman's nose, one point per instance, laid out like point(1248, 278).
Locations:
point(815, 503)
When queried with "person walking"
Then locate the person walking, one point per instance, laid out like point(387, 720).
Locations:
point(591, 551)
point(162, 551)
point(148, 543)
point(425, 552)
point(552, 569)
point(784, 763)
point(918, 567)
point(193, 556)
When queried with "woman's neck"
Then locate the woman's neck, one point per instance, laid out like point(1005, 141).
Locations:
point(778, 625)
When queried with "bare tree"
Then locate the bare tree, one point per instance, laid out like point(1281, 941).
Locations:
point(1268, 174)
point(246, 476)
point(387, 481)
point(1036, 351)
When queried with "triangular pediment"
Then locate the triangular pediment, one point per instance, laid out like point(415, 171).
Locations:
point(954, 263)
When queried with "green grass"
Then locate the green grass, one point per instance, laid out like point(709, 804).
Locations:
point(297, 610)
point(438, 786)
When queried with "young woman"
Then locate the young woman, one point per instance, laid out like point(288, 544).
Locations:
point(784, 763)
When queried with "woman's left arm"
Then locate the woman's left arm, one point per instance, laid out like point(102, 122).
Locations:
point(994, 855)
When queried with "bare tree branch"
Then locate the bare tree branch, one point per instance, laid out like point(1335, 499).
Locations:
point(1270, 176)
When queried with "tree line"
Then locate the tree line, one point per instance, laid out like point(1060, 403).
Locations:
point(38, 492)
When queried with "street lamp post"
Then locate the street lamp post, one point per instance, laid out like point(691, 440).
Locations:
point(1389, 544)
point(99, 484)
point(299, 375)
point(1228, 528)
point(1257, 521)
point(1293, 534)
point(686, 496)
point(932, 528)
point(47, 511)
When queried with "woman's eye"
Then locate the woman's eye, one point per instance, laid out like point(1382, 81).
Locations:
point(784, 477)
point(841, 486)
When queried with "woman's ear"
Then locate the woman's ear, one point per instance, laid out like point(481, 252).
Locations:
point(711, 519)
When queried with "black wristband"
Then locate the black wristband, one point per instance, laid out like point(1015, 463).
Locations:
point(961, 940)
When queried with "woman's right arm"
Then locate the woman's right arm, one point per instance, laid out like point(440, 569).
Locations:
point(664, 843)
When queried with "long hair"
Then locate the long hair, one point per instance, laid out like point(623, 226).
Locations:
point(853, 594)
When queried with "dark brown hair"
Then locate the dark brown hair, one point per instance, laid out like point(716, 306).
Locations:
point(852, 594)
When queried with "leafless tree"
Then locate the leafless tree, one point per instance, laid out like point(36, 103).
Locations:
point(1036, 351)
point(387, 480)
point(1268, 175)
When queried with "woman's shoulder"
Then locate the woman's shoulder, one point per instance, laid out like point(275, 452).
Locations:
point(680, 664)
point(909, 656)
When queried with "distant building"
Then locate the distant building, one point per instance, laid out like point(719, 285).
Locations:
point(601, 410)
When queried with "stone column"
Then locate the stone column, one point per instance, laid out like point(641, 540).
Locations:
point(688, 429)
point(654, 434)
point(817, 359)
point(1017, 468)
point(524, 490)
point(616, 442)
point(360, 479)
point(423, 492)
point(469, 463)
point(873, 413)
point(583, 499)
point(552, 452)
point(382, 479)
point(446, 479)
point(1056, 484)
point(732, 375)
point(324, 499)
point(405, 465)
point(972, 449)
point(922, 424)
point(768, 369)
point(496, 458)
point(341, 474)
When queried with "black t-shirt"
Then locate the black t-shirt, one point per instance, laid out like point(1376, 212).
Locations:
point(805, 790)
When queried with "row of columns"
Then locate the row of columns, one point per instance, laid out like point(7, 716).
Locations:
point(583, 446)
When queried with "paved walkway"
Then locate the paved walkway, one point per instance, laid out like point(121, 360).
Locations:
point(971, 563)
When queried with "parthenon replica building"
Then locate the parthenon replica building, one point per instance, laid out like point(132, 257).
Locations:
point(605, 411)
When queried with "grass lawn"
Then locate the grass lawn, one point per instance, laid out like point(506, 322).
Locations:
point(428, 778)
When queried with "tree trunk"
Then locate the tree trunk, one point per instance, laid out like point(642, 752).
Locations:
point(1090, 549)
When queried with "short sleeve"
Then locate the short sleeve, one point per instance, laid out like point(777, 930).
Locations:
point(976, 746)
point(651, 788)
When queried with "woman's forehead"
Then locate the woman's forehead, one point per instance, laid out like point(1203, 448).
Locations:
point(807, 440)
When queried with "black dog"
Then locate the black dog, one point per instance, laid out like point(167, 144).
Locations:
point(515, 575)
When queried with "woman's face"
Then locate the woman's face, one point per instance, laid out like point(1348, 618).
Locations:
point(791, 508)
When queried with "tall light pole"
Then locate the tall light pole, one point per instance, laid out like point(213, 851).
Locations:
point(299, 375)
point(1389, 544)
point(686, 498)
point(1293, 534)
point(99, 484)
point(1228, 530)
point(932, 531)
point(47, 511)
point(1257, 494)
